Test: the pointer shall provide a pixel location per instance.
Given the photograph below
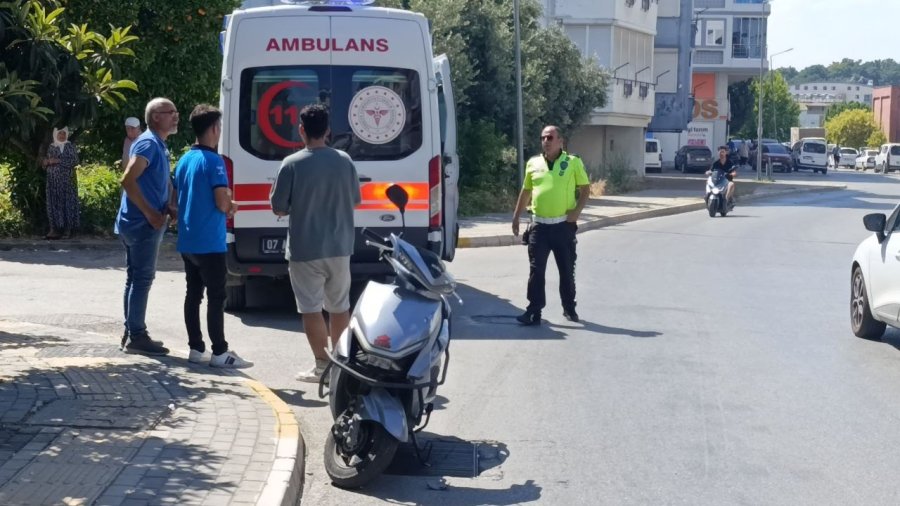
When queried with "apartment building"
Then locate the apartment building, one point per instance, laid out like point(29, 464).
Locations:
point(815, 98)
point(729, 47)
point(619, 35)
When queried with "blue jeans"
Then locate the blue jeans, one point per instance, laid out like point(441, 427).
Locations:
point(141, 251)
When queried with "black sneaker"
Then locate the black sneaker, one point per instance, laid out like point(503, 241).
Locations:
point(125, 340)
point(571, 315)
point(141, 344)
point(529, 318)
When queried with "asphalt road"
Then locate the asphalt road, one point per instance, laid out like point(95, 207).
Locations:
point(715, 364)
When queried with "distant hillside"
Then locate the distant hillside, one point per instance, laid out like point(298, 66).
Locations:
point(881, 72)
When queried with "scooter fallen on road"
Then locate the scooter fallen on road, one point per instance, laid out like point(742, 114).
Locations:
point(383, 375)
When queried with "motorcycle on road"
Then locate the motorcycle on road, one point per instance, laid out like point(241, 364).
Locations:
point(384, 372)
point(716, 187)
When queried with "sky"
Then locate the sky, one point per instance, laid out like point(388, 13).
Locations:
point(825, 31)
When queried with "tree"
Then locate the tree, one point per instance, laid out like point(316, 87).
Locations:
point(178, 57)
point(840, 107)
point(876, 139)
point(853, 127)
point(740, 99)
point(780, 111)
point(51, 75)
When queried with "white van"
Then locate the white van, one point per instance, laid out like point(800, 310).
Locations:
point(392, 110)
point(652, 156)
point(810, 153)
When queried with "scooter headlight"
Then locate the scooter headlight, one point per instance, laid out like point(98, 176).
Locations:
point(715, 190)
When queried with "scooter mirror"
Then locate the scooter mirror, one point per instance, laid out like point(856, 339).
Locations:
point(398, 196)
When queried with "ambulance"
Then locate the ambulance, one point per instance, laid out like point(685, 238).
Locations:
point(391, 108)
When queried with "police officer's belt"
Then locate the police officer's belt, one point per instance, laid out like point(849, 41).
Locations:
point(548, 221)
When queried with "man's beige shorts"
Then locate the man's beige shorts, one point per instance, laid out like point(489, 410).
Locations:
point(321, 284)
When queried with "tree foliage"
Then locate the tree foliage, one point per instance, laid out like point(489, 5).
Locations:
point(780, 111)
point(741, 100)
point(853, 127)
point(880, 72)
point(840, 107)
point(51, 74)
point(178, 57)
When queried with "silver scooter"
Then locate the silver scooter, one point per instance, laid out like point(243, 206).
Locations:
point(383, 375)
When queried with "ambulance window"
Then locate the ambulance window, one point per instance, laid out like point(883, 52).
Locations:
point(442, 110)
point(270, 109)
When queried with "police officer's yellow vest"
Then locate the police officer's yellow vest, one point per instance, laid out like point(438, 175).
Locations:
point(553, 191)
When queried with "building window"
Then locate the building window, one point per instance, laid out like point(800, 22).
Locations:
point(849, 88)
point(746, 37)
point(643, 88)
point(832, 88)
point(715, 32)
point(857, 88)
point(628, 87)
point(805, 87)
point(629, 3)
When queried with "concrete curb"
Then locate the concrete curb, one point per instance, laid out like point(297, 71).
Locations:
point(285, 482)
point(511, 240)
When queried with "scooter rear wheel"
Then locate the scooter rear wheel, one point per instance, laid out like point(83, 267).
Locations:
point(375, 453)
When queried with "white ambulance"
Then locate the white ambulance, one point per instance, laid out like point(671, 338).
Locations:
point(392, 110)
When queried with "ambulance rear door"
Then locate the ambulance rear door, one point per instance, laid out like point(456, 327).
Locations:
point(449, 155)
point(384, 115)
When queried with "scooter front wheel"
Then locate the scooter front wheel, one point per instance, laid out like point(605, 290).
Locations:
point(355, 467)
point(711, 205)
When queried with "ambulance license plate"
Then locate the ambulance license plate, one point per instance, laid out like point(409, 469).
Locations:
point(271, 245)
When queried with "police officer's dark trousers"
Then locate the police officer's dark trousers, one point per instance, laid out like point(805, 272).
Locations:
point(558, 238)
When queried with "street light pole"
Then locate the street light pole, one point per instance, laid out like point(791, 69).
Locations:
point(772, 99)
point(520, 121)
point(759, 120)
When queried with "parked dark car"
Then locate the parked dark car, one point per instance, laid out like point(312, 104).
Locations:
point(734, 150)
point(776, 154)
point(693, 159)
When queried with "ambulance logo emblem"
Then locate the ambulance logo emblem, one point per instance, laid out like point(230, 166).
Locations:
point(377, 114)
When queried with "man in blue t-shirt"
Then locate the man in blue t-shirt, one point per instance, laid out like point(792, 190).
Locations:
point(146, 205)
point(204, 200)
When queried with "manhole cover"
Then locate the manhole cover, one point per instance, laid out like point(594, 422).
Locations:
point(494, 319)
point(448, 458)
point(109, 350)
point(137, 415)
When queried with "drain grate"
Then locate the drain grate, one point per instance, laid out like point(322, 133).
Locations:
point(448, 458)
point(108, 414)
point(100, 350)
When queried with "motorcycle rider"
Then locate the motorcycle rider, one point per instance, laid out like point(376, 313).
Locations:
point(728, 167)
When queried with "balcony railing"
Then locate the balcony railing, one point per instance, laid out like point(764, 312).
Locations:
point(746, 51)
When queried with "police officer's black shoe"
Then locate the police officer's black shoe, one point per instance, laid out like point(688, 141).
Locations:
point(571, 315)
point(529, 318)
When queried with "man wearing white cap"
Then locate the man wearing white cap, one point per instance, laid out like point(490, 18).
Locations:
point(132, 131)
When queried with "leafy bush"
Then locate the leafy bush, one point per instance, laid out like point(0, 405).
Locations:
point(99, 191)
point(488, 180)
point(616, 174)
point(11, 220)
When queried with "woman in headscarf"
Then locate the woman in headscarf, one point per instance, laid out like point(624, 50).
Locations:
point(62, 187)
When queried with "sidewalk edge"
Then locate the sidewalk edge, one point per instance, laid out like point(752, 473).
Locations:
point(606, 221)
point(285, 483)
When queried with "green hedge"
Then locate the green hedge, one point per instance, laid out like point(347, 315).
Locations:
point(98, 189)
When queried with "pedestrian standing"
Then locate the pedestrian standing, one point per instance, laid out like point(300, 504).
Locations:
point(63, 207)
point(552, 181)
point(132, 131)
point(318, 188)
point(147, 202)
point(744, 152)
point(204, 200)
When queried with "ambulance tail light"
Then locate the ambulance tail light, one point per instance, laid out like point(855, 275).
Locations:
point(434, 192)
point(229, 171)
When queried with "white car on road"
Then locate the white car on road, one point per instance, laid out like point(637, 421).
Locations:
point(866, 159)
point(888, 158)
point(848, 157)
point(875, 277)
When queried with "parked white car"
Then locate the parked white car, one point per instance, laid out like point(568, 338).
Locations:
point(652, 156)
point(866, 159)
point(875, 278)
point(888, 158)
point(848, 157)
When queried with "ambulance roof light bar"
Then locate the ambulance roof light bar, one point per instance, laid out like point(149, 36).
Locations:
point(330, 3)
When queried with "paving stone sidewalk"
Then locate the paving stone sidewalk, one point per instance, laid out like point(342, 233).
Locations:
point(83, 423)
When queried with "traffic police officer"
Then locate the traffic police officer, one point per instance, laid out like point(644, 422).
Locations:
point(551, 182)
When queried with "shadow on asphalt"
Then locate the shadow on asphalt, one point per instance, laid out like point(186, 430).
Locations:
point(484, 316)
point(597, 328)
point(295, 398)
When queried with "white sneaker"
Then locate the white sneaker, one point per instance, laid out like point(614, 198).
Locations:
point(312, 375)
point(229, 360)
point(199, 357)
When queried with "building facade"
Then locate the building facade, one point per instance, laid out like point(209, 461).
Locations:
point(672, 63)
point(619, 35)
point(815, 98)
point(886, 107)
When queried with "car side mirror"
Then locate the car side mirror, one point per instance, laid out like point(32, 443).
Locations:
point(398, 196)
point(875, 223)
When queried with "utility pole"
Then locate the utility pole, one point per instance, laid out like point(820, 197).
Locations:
point(762, 59)
point(520, 120)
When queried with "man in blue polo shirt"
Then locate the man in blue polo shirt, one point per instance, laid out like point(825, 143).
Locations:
point(204, 200)
point(142, 217)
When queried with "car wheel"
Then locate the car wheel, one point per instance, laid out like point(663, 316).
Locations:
point(862, 322)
